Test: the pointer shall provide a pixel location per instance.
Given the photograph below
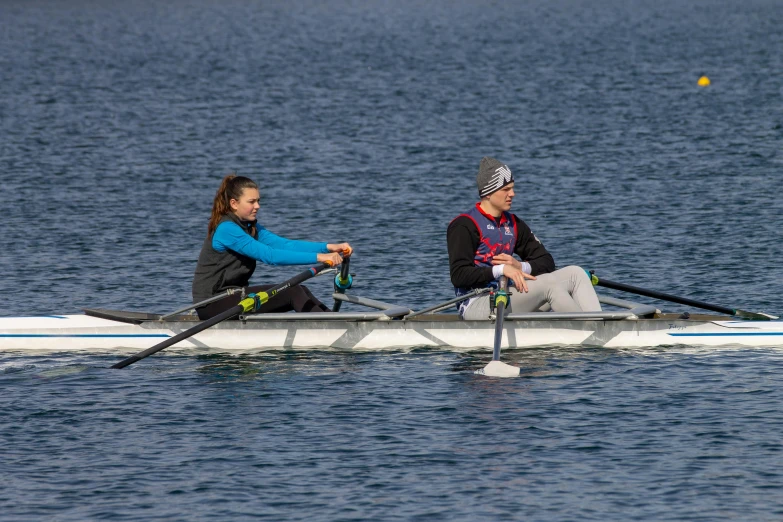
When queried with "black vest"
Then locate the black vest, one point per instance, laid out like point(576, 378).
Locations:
point(217, 271)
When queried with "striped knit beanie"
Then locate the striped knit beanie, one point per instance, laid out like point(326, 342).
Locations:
point(492, 176)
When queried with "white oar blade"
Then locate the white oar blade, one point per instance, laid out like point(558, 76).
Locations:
point(756, 316)
point(498, 369)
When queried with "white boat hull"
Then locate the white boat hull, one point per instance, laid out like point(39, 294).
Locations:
point(87, 333)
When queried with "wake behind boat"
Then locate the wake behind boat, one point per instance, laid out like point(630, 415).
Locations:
point(387, 326)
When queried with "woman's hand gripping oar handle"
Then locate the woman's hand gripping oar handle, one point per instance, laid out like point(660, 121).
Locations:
point(250, 304)
point(496, 368)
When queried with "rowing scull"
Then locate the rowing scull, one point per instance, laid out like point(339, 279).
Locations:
point(392, 328)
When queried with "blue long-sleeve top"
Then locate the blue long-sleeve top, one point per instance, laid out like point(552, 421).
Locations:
point(270, 249)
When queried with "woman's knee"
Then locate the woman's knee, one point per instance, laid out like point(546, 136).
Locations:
point(305, 290)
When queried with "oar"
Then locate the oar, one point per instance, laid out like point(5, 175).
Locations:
point(342, 282)
point(681, 300)
point(250, 304)
point(496, 368)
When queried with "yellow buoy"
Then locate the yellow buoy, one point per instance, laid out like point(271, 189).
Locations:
point(703, 81)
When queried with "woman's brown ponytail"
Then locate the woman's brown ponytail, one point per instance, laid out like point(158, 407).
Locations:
point(230, 188)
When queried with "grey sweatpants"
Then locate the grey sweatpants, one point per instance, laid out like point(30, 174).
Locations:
point(565, 290)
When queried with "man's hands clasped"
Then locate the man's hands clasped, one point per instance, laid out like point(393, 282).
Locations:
point(512, 268)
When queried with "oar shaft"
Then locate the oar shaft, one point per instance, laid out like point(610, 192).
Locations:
point(342, 282)
point(228, 314)
point(200, 303)
point(344, 269)
point(246, 305)
point(495, 368)
point(446, 304)
point(665, 297)
point(500, 309)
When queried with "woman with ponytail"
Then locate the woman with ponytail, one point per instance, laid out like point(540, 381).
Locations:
point(235, 242)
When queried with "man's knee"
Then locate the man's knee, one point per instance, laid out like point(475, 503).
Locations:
point(575, 271)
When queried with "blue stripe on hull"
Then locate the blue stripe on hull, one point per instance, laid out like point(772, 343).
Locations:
point(724, 334)
point(37, 317)
point(91, 336)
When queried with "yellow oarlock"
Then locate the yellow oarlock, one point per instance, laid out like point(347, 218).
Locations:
point(501, 298)
point(254, 301)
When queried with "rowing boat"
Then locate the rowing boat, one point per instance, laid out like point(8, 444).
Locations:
point(386, 327)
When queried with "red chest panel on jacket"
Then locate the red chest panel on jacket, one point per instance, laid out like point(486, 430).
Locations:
point(494, 238)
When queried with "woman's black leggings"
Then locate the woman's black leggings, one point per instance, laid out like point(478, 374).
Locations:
point(297, 298)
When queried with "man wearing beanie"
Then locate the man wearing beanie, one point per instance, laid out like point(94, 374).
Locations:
point(482, 242)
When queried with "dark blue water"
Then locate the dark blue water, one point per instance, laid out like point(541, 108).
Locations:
point(366, 121)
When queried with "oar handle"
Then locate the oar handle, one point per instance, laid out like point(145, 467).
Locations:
point(660, 295)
